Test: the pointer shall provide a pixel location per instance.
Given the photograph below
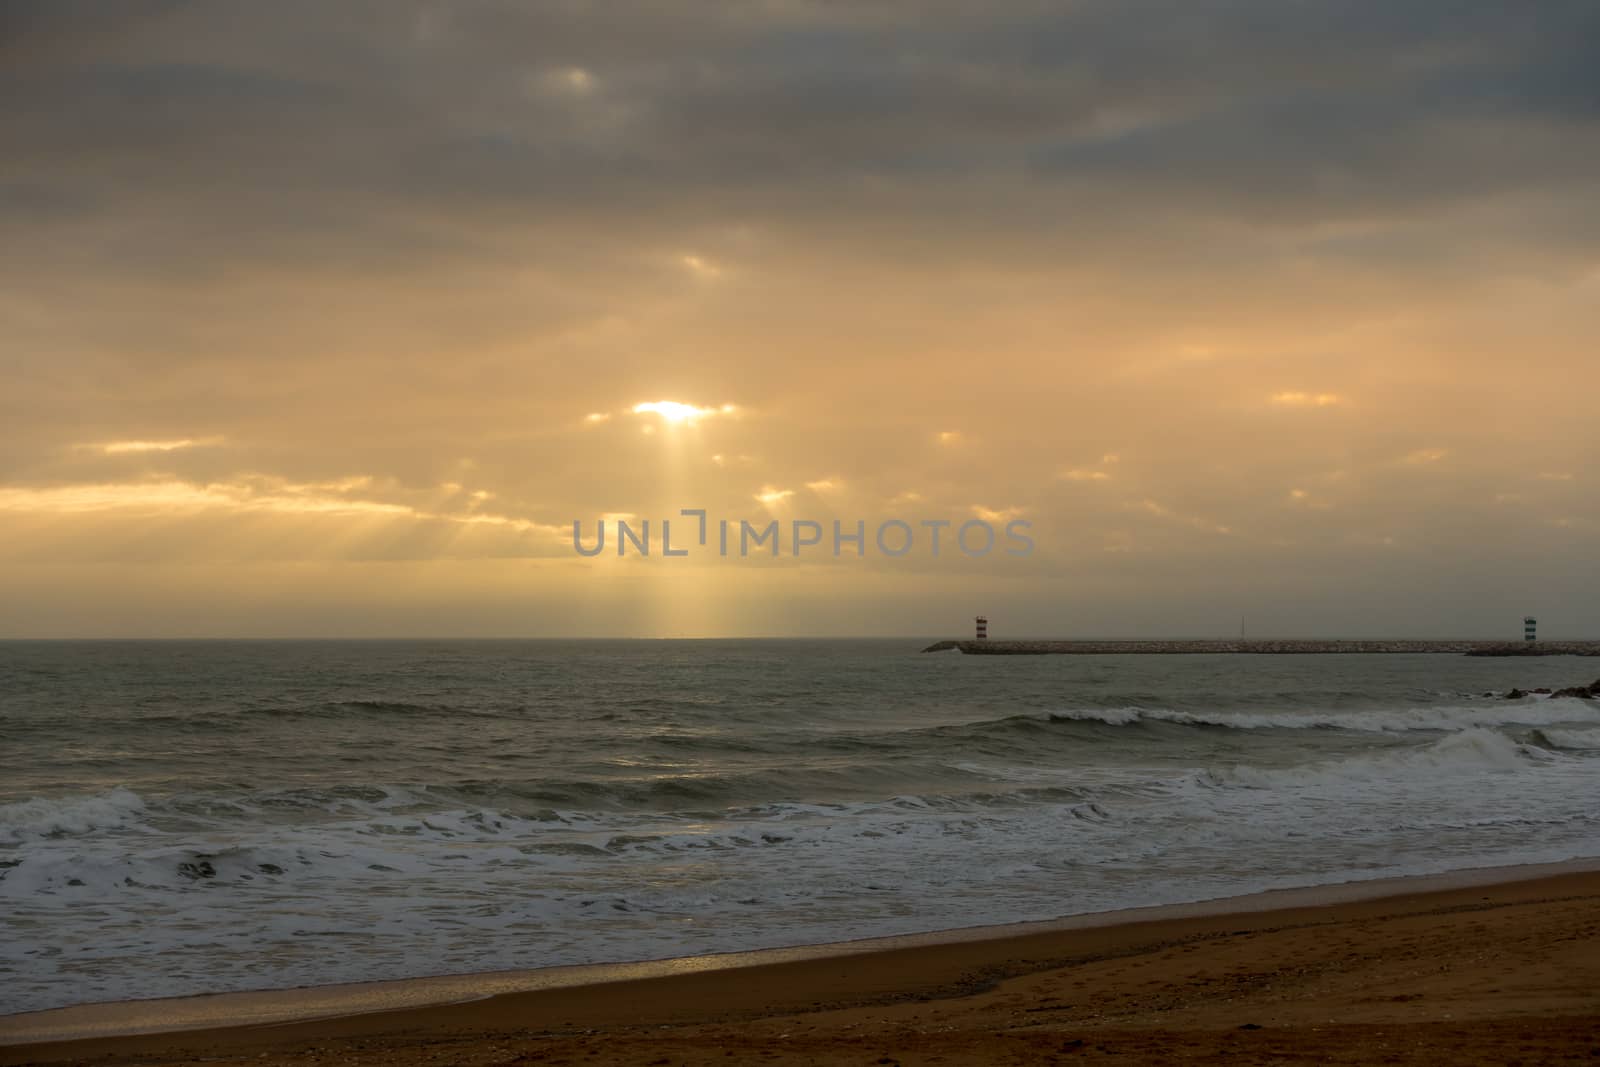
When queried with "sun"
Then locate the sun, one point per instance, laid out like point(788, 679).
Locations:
point(673, 411)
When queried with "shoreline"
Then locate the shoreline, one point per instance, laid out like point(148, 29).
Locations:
point(760, 984)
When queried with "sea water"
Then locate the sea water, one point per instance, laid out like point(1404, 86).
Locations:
point(188, 817)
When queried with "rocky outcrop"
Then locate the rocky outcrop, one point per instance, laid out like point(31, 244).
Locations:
point(1583, 692)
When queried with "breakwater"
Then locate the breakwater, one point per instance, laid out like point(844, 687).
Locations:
point(1268, 647)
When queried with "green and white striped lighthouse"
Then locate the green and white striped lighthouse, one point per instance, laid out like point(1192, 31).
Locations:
point(1529, 624)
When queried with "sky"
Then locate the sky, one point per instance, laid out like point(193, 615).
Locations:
point(332, 319)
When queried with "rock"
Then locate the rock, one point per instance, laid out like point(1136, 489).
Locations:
point(1583, 692)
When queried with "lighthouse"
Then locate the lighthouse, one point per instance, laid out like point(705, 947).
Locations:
point(983, 628)
point(1529, 624)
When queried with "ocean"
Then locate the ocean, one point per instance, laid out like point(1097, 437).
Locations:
point(194, 817)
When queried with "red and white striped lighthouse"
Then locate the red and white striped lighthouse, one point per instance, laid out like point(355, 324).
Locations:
point(983, 628)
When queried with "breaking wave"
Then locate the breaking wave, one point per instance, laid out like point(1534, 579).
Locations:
point(1439, 719)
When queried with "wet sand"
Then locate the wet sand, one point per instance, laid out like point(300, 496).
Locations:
point(1490, 973)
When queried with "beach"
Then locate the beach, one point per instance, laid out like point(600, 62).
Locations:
point(1499, 972)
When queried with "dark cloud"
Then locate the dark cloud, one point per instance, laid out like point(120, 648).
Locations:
point(440, 105)
point(57, 33)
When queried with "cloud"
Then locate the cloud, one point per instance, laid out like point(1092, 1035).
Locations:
point(569, 81)
point(118, 448)
point(770, 496)
point(700, 267)
point(1305, 499)
point(1161, 511)
point(997, 515)
point(1297, 399)
point(351, 498)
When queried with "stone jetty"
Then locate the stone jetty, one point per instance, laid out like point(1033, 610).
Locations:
point(1284, 647)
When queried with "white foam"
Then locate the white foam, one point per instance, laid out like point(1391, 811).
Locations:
point(1505, 713)
point(1572, 739)
point(1476, 750)
point(253, 897)
point(43, 817)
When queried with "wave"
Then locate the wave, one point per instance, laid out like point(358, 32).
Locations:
point(1474, 750)
point(1444, 719)
point(442, 844)
point(1013, 762)
point(41, 817)
point(501, 809)
point(1578, 740)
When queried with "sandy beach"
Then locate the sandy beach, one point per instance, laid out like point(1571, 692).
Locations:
point(1500, 973)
